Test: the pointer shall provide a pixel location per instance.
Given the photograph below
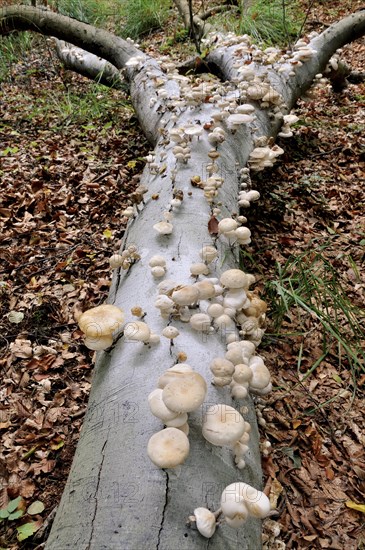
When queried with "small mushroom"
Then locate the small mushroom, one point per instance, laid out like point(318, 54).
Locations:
point(199, 269)
point(137, 331)
point(164, 227)
point(201, 322)
point(206, 522)
point(185, 295)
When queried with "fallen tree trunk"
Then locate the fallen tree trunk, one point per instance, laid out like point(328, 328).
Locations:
point(115, 497)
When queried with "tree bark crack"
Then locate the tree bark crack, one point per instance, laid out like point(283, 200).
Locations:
point(96, 495)
point(163, 511)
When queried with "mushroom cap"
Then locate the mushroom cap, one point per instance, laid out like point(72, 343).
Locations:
point(101, 320)
point(185, 395)
point(215, 310)
point(158, 407)
point(170, 332)
point(166, 286)
point(158, 271)
point(206, 289)
point(137, 330)
point(164, 303)
point(98, 343)
point(233, 507)
point(205, 522)
point(199, 269)
point(200, 322)
point(234, 278)
point(256, 502)
point(261, 375)
point(185, 295)
point(168, 448)
point(164, 227)
point(239, 118)
point(208, 253)
point(222, 425)
point(193, 130)
point(221, 367)
point(226, 225)
point(176, 372)
point(116, 261)
point(157, 261)
point(242, 374)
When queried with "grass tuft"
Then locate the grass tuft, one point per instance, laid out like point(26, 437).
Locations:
point(308, 289)
point(269, 22)
point(140, 17)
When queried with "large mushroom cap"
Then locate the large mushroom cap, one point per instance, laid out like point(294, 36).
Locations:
point(101, 320)
point(177, 372)
point(222, 425)
point(185, 395)
point(168, 448)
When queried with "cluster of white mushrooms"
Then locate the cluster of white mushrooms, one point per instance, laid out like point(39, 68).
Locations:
point(208, 304)
point(238, 501)
point(180, 391)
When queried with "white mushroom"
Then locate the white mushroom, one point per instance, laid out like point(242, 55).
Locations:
point(205, 522)
point(137, 331)
point(239, 500)
point(185, 395)
point(168, 448)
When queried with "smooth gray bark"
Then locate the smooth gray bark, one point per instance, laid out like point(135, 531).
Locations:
point(89, 65)
point(115, 498)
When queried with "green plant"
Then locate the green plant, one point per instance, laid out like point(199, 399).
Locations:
point(272, 22)
point(13, 48)
point(139, 17)
point(94, 12)
point(308, 289)
point(15, 510)
point(96, 104)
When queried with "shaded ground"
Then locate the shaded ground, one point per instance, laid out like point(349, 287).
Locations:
point(70, 153)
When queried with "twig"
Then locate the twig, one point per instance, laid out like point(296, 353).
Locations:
point(311, 4)
point(327, 152)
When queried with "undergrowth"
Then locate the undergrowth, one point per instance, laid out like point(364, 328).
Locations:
point(140, 17)
point(12, 49)
point(308, 289)
point(271, 22)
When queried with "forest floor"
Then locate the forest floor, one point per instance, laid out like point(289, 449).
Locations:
point(70, 156)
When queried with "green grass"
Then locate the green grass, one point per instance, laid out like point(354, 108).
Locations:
point(96, 105)
point(13, 48)
point(94, 12)
point(268, 22)
point(140, 17)
point(308, 288)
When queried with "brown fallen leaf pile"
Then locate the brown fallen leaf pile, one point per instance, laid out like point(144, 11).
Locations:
point(70, 157)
